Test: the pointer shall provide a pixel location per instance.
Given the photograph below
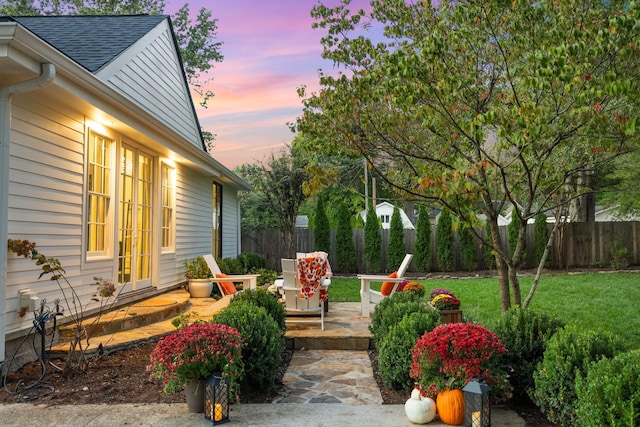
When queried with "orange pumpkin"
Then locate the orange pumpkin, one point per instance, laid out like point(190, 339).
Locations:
point(450, 406)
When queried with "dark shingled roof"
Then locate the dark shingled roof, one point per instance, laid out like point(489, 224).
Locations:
point(90, 40)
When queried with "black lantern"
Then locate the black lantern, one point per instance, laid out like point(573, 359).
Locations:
point(216, 399)
point(477, 408)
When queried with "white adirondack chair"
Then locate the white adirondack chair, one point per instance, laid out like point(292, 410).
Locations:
point(295, 303)
point(368, 295)
point(249, 281)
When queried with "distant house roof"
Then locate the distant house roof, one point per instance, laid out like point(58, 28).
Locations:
point(384, 211)
point(90, 40)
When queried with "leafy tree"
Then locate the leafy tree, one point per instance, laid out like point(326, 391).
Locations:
point(277, 186)
point(196, 38)
point(321, 229)
point(422, 249)
point(444, 241)
point(372, 242)
point(345, 248)
point(395, 249)
point(478, 105)
point(256, 213)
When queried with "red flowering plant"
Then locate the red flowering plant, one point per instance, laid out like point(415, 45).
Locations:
point(451, 354)
point(196, 352)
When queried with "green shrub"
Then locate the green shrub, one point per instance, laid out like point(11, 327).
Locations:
point(390, 312)
point(395, 248)
point(422, 248)
point(394, 353)
point(345, 248)
point(230, 265)
point(372, 242)
point(264, 299)
point(468, 252)
point(321, 228)
point(610, 393)
point(620, 256)
point(267, 277)
point(568, 356)
point(263, 343)
point(251, 261)
point(525, 333)
point(444, 241)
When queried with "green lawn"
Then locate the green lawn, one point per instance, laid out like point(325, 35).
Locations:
point(599, 301)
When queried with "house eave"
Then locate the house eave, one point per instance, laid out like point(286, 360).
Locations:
point(23, 52)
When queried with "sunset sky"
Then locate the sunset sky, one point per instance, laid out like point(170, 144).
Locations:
point(269, 51)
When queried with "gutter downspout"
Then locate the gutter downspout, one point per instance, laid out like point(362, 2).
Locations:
point(47, 74)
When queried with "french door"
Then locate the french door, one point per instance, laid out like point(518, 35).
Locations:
point(135, 219)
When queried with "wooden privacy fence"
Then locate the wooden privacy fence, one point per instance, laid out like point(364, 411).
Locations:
point(585, 244)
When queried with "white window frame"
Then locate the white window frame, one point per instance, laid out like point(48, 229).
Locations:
point(107, 233)
point(167, 201)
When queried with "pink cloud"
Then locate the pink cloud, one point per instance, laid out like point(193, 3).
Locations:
point(269, 51)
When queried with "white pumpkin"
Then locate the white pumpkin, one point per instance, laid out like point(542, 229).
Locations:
point(420, 410)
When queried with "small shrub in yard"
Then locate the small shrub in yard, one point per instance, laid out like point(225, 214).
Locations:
point(525, 333)
point(610, 393)
point(390, 312)
point(451, 354)
point(568, 356)
point(267, 300)
point(394, 353)
point(263, 343)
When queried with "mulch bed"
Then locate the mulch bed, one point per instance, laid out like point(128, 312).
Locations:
point(121, 377)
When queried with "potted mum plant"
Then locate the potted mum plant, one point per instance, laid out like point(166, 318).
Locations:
point(197, 272)
point(447, 357)
point(447, 304)
point(185, 358)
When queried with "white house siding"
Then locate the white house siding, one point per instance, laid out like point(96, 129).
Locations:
point(149, 74)
point(193, 214)
point(45, 202)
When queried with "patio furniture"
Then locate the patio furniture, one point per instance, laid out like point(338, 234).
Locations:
point(304, 286)
point(226, 282)
point(368, 295)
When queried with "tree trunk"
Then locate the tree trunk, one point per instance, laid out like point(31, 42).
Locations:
point(503, 280)
point(515, 284)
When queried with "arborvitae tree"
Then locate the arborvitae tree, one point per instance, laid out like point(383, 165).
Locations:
point(395, 250)
point(321, 230)
point(345, 248)
point(372, 242)
point(422, 249)
point(468, 254)
point(444, 241)
point(540, 237)
point(489, 257)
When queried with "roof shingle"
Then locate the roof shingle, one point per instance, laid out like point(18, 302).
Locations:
point(90, 40)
